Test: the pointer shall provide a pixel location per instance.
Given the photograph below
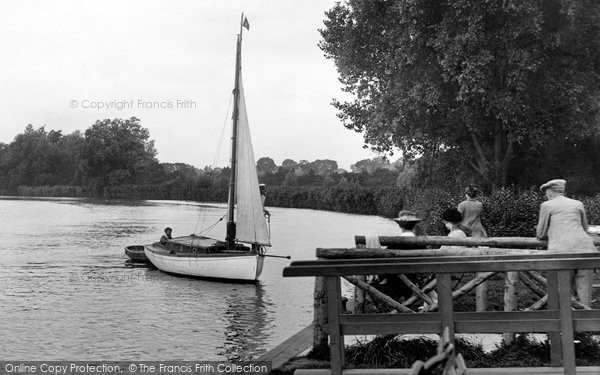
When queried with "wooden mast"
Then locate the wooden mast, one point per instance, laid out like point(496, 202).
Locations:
point(230, 236)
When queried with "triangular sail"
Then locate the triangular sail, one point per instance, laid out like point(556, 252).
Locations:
point(250, 221)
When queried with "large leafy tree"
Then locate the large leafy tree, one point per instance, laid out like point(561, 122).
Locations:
point(118, 152)
point(37, 157)
point(266, 165)
point(481, 78)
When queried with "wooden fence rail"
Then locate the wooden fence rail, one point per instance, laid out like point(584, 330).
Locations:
point(559, 319)
point(510, 242)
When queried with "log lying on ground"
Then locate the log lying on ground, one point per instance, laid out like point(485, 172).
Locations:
point(505, 242)
point(353, 253)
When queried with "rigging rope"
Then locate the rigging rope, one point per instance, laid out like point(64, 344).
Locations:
point(201, 220)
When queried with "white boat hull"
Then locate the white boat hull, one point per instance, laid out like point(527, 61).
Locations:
point(246, 267)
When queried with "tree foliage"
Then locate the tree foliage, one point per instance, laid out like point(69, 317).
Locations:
point(38, 157)
point(479, 77)
point(265, 165)
point(118, 152)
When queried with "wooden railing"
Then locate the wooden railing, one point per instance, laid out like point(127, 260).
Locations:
point(559, 319)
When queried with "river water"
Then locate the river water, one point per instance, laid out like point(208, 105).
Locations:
point(68, 291)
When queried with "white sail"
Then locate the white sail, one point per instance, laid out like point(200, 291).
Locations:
point(251, 226)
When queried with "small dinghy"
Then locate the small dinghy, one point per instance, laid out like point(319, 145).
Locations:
point(136, 253)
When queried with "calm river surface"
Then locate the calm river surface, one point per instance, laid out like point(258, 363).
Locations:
point(69, 292)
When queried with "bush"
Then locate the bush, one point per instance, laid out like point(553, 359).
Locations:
point(505, 210)
point(511, 210)
point(592, 207)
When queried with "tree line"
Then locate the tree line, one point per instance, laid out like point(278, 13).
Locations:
point(117, 158)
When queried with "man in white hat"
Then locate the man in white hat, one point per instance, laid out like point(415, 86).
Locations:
point(564, 223)
point(263, 198)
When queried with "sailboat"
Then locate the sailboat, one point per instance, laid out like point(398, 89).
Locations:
point(241, 255)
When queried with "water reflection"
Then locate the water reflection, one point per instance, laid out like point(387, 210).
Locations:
point(249, 320)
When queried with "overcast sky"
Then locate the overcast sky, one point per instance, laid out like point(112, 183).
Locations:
point(63, 60)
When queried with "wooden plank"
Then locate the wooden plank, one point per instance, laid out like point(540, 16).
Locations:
point(467, 322)
point(413, 328)
point(581, 370)
point(289, 349)
point(334, 310)
point(371, 256)
point(469, 315)
point(566, 320)
point(441, 266)
point(504, 326)
point(434, 326)
point(389, 318)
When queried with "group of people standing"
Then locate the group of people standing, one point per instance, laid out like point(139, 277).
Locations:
point(562, 221)
point(461, 222)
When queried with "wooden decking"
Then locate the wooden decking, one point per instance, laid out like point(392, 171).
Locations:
point(290, 348)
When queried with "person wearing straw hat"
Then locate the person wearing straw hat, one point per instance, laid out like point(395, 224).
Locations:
point(390, 284)
point(407, 220)
point(564, 223)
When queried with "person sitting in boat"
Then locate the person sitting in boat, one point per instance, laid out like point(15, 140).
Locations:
point(167, 236)
point(263, 198)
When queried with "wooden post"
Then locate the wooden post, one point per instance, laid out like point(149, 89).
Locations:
point(566, 321)
point(320, 341)
point(359, 294)
point(334, 310)
point(510, 299)
point(481, 296)
point(553, 304)
point(446, 305)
